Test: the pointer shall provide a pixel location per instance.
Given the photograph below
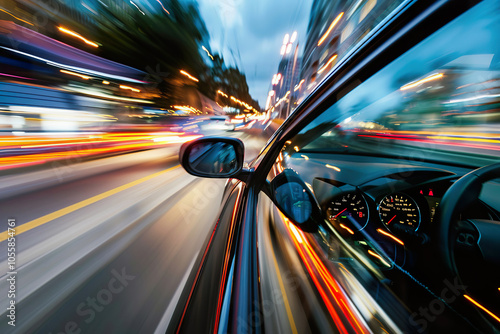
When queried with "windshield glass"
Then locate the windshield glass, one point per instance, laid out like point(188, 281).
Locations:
point(439, 101)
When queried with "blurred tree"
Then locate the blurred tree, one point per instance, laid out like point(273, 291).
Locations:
point(159, 37)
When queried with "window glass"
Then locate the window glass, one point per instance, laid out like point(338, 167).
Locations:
point(442, 96)
point(379, 162)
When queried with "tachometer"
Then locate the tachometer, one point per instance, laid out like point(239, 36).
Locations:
point(399, 210)
point(350, 208)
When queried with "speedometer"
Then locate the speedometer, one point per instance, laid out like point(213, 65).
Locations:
point(349, 208)
point(399, 210)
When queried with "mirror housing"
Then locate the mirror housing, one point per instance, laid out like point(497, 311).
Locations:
point(213, 157)
point(295, 200)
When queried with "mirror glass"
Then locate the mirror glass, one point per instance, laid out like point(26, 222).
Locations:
point(294, 200)
point(213, 158)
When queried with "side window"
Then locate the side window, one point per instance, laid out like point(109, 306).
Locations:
point(379, 162)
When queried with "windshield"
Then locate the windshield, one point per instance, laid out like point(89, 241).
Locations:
point(438, 101)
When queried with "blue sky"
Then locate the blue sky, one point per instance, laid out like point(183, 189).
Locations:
point(249, 33)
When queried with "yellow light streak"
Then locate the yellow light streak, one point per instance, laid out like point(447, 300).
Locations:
point(163, 7)
point(372, 253)
point(69, 209)
point(17, 18)
point(346, 228)
point(421, 81)
point(104, 82)
point(76, 74)
point(332, 167)
point(390, 236)
point(189, 76)
point(327, 64)
point(297, 87)
point(74, 34)
point(130, 88)
point(295, 232)
point(325, 35)
point(482, 140)
point(208, 53)
point(482, 308)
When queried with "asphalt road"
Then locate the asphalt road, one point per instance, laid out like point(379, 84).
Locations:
point(107, 253)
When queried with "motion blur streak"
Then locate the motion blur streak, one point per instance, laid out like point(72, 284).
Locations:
point(325, 278)
point(424, 80)
point(440, 142)
point(390, 236)
point(482, 308)
point(17, 18)
point(337, 19)
point(152, 225)
point(27, 148)
point(62, 212)
point(72, 33)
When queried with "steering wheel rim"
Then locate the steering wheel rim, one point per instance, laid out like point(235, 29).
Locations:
point(461, 194)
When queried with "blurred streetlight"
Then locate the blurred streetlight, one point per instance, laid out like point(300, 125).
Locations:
point(74, 34)
point(287, 43)
point(189, 76)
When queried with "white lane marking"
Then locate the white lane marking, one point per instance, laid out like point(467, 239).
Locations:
point(167, 316)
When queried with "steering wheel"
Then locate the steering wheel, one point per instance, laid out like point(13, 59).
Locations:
point(479, 237)
point(459, 196)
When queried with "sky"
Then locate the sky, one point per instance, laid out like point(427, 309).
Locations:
point(249, 33)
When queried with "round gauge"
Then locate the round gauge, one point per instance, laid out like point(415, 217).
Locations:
point(350, 208)
point(399, 210)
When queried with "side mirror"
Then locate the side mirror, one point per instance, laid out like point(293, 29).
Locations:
point(295, 200)
point(213, 157)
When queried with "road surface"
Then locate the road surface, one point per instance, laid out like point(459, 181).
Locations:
point(108, 253)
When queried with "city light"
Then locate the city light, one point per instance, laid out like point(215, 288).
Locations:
point(287, 43)
point(332, 167)
point(346, 228)
point(421, 81)
point(246, 105)
point(130, 88)
point(189, 76)
point(208, 53)
point(137, 7)
point(75, 74)
point(286, 39)
point(482, 308)
point(163, 7)
point(104, 82)
point(327, 64)
point(372, 253)
point(297, 87)
point(222, 93)
point(74, 34)
point(17, 18)
point(325, 35)
point(276, 79)
point(189, 109)
point(390, 236)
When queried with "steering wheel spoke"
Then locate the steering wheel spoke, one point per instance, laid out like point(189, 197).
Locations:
point(488, 239)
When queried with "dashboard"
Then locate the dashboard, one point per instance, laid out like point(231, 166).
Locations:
point(389, 202)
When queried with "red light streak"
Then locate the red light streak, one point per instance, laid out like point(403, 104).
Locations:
point(333, 290)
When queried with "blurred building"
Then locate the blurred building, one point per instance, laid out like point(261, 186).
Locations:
point(284, 92)
point(334, 28)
